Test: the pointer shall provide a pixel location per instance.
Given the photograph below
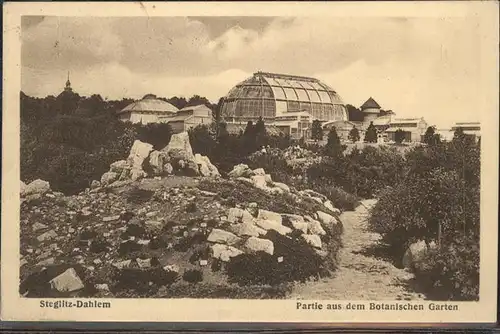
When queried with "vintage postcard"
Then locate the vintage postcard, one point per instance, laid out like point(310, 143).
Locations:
point(250, 162)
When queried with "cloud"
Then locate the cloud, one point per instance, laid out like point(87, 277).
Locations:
point(415, 66)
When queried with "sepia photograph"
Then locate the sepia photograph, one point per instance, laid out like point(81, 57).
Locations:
point(301, 158)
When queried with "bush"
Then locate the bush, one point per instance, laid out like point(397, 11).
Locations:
point(156, 134)
point(193, 276)
point(339, 198)
point(300, 263)
point(139, 196)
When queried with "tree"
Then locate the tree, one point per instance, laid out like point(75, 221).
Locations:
point(431, 137)
point(316, 130)
point(399, 136)
point(353, 135)
point(354, 114)
point(260, 133)
point(201, 140)
point(371, 134)
point(333, 147)
point(197, 100)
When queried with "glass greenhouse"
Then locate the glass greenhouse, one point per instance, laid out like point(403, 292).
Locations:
point(273, 95)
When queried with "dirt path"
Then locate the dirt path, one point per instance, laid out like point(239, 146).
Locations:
point(360, 276)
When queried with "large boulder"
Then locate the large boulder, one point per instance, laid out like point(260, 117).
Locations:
point(314, 226)
point(273, 225)
point(326, 219)
point(36, 187)
point(224, 252)
point(282, 186)
point(22, 188)
point(259, 181)
point(138, 153)
point(157, 161)
point(254, 245)
point(205, 166)
point(312, 239)
point(247, 229)
point(297, 222)
point(179, 147)
point(136, 174)
point(415, 255)
point(68, 281)
point(241, 170)
point(239, 215)
point(108, 178)
point(222, 237)
point(269, 215)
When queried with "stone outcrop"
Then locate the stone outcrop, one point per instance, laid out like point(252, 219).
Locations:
point(222, 237)
point(36, 187)
point(205, 166)
point(247, 229)
point(241, 170)
point(272, 225)
point(312, 239)
point(224, 252)
point(326, 219)
point(108, 178)
point(254, 244)
point(414, 257)
point(68, 281)
point(179, 148)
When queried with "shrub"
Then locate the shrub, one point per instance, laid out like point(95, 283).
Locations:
point(156, 134)
point(193, 276)
point(139, 196)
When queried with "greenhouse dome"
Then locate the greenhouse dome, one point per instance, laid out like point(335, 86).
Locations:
point(282, 97)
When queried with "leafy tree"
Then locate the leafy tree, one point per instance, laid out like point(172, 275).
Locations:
point(354, 135)
point(399, 136)
point(371, 134)
point(316, 130)
point(431, 137)
point(178, 102)
point(354, 114)
point(333, 147)
point(202, 141)
point(197, 100)
point(156, 134)
point(260, 133)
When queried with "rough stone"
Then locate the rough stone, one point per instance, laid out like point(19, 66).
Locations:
point(221, 236)
point(146, 263)
point(138, 153)
point(415, 254)
point(312, 239)
point(47, 236)
point(108, 178)
point(247, 229)
point(239, 215)
point(68, 281)
point(38, 226)
point(328, 204)
point(224, 252)
point(168, 169)
point(314, 226)
point(282, 186)
point(326, 219)
point(22, 188)
point(157, 161)
point(205, 166)
point(110, 218)
point(136, 174)
point(95, 184)
point(122, 264)
point(273, 225)
point(254, 244)
point(259, 171)
point(269, 215)
point(179, 147)
point(240, 170)
point(36, 187)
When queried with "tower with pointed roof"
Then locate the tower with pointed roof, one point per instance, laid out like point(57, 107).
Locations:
point(371, 110)
point(68, 85)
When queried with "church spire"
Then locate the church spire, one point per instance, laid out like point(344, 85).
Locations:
point(68, 85)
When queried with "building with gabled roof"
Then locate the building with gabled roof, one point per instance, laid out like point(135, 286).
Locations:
point(188, 118)
point(147, 110)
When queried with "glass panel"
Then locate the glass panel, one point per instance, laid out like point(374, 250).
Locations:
point(267, 92)
point(294, 84)
point(282, 82)
point(302, 95)
point(290, 94)
point(269, 108)
point(316, 85)
point(329, 115)
point(305, 107)
point(325, 98)
point(281, 107)
point(316, 111)
point(273, 81)
point(308, 85)
point(233, 92)
point(335, 98)
point(251, 91)
point(314, 96)
point(293, 106)
point(278, 93)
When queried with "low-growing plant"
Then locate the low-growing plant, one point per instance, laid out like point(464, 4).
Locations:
point(193, 276)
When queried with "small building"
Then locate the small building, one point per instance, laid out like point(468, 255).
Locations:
point(472, 129)
point(147, 110)
point(239, 128)
point(343, 129)
point(414, 129)
point(188, 117)
point(295, 124)
point(371, 110)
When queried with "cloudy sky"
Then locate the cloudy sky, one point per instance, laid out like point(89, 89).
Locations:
point(426, 67)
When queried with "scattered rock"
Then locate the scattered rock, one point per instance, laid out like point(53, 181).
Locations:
point(122, 264)
point(224, 252)
point(108, 178)
point(143, 263)
point(312, 239)
point(179, 147)
point(36, 187)
point(269, 215)
point(47, 262)
point(118, 166)
point(254, 244)
point(326, 219)
point(221, 236)
point(205, 166)
point(138, 153)
point(239, 215)
point(102, 287)
point(95, 184)
point(247, 229)
point(282, 186)
point(314, 226)
point(168, 169)
point(110, 218)
point(68, 281)
point(259, 171)
point(273, 225)
point(38, 226)
point(414, 256)
point(47, 236)
point(157, 161)
point(240, 170)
